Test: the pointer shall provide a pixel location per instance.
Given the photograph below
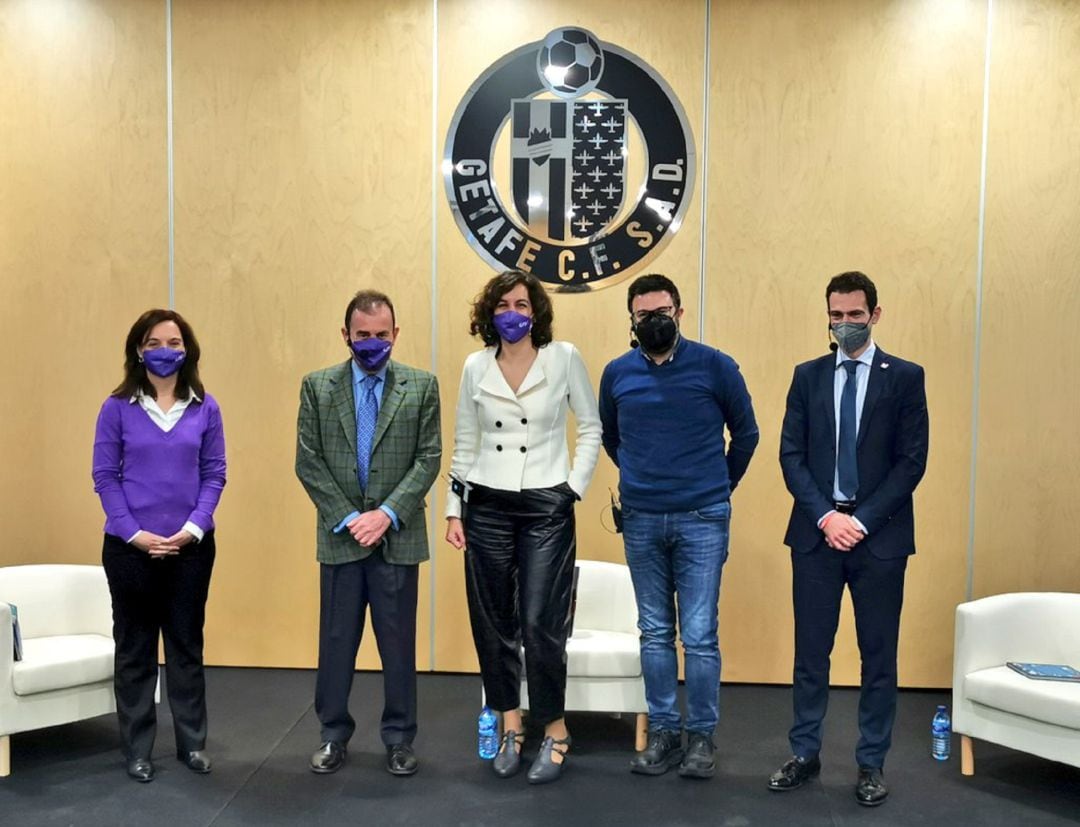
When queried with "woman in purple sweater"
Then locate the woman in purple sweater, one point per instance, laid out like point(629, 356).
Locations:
point(159, 468)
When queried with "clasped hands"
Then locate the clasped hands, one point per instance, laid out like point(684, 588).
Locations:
point(841, 532)
point(369, 527)
point(157, 546)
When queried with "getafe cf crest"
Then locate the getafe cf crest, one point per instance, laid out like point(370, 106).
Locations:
point(571, 159)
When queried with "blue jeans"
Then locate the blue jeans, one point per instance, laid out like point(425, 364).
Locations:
point(679, 553)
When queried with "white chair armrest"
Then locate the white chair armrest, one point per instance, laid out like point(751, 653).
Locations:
point(7, 652)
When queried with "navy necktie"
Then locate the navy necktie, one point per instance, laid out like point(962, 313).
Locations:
point(367, 413)
point(847, 467)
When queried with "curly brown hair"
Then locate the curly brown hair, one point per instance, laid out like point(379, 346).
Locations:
point(483, 309)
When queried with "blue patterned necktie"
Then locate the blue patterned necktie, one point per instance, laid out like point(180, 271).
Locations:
point(847, 467)
point(367, 413)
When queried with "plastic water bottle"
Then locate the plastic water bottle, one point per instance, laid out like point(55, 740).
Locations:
point(941, 730)
point(488, 731)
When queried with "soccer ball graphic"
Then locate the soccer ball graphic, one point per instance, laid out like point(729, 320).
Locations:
point(570, 62)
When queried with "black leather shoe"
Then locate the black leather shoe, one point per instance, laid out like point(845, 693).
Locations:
point(328, 758)
point(698, 761)
point(508, 761)
point(140, 769)
point(870, 789)
point(401, 760)
point(546, 769)
point(795, 772)
point(197, 760)
point(663, 752)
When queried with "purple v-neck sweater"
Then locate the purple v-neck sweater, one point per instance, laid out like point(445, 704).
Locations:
point(155, 481)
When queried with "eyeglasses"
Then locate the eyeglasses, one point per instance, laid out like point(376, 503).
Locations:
point(642, 315)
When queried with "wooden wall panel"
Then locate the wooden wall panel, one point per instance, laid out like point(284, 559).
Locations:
point(841, 134)
point(303, 158)
point(82, 250)
point(844, 136)
point(1027, 492)
point(597, 322)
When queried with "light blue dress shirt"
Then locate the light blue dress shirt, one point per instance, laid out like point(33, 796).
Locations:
point(862, 379)
point(358, 378)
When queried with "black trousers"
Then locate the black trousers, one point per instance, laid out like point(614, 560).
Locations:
point(877, 594)
point(151, 597)
point(346, 591)
point(519, 575)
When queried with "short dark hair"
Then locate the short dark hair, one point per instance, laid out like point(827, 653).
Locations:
point(483, 308)
point(366, 301)
point(135, 379)
point(851, 282)
point(651, 283)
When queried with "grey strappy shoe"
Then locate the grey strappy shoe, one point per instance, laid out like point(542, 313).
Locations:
point(508, 760)
point(544, 769)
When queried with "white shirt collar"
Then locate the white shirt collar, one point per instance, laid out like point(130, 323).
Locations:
point(166, 420)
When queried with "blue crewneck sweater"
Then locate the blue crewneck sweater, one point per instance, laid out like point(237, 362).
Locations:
point(664, 427)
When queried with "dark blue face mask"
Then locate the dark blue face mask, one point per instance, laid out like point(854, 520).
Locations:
point(371, 354)
point(163, 361)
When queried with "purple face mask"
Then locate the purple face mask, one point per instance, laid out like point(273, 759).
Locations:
point(163, 361)
point(512, 327)
point(371, 354)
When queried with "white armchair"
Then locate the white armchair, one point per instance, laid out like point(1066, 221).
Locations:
point(66, 673)
point(603, 667)
point(996, 704)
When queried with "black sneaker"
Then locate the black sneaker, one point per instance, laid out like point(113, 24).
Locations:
point(699, 761)
point(663, 752)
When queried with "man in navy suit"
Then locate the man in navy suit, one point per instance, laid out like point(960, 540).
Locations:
point(852, 449)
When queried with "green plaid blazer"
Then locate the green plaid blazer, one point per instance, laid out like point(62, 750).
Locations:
point(405, 459)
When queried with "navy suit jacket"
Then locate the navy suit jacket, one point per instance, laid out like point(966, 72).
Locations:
point(894, 434)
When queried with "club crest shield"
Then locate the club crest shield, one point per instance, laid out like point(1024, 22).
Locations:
point(571, 159)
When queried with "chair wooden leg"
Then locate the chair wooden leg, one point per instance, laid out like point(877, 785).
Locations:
point(5, 756)
point(967, 755)
point(641, 731)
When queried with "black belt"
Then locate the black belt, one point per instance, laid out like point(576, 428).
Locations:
point(845, 506)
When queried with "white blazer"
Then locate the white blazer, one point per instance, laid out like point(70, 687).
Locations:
point(514, 441)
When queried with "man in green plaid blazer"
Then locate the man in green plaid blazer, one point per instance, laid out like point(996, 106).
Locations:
point(371, 529)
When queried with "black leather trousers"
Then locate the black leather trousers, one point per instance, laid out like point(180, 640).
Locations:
point(519, 573)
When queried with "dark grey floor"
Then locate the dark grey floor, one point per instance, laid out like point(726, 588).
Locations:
point(263, 729)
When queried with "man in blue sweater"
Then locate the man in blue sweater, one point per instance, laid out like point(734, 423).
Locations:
point(664, 407)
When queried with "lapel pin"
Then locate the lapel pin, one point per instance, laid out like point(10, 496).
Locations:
point(884, 365)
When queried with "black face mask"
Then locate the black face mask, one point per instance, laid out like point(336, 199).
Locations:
point(656, 333)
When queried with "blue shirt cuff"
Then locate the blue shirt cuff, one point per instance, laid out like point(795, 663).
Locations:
point(393, 517)
point(341, 526)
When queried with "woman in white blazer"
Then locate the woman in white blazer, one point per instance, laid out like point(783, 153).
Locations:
point(511, 507)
